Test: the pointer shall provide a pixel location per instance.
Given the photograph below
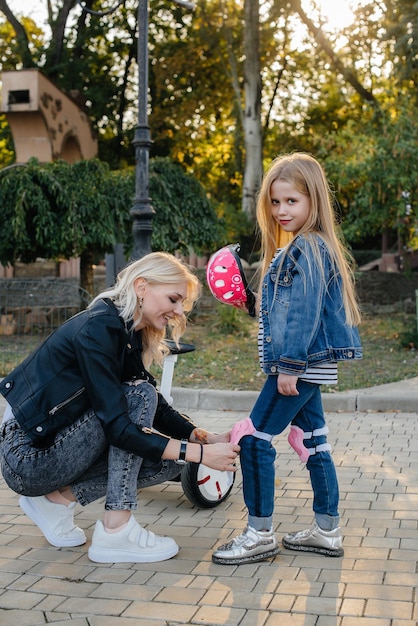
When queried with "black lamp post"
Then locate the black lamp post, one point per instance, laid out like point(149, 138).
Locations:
point(141, 211)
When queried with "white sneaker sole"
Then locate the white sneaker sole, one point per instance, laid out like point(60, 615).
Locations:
point(103, 555)
point(39, 519)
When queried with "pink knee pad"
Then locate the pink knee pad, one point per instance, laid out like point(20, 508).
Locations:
point(295, 439)
point(240, 429)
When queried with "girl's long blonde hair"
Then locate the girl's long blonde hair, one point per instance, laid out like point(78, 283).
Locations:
point(304, 173)
point(156, 268)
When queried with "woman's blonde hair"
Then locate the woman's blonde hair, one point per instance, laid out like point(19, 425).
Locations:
point(307, 176)
point(157, 268)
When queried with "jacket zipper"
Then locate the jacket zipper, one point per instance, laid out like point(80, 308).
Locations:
point(67, 401)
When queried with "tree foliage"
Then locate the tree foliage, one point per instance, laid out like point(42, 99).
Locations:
point(60, 210)
point(323, 91)
point(185, 219)
point(374, 165)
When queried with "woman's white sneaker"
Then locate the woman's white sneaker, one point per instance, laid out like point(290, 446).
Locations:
point(133, 544)
point(56, 521)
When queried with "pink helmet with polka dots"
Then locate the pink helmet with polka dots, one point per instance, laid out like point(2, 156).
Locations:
point(227, 281)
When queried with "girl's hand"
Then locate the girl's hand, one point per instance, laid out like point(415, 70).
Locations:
point(257, 301)
point(286, 385)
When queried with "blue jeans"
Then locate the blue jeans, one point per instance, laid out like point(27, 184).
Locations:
point(271, 414)
point(81, 457)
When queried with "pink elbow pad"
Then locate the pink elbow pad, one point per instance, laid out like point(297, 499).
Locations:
point(295, 439)
point(240, 429)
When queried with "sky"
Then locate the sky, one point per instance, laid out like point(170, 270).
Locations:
point(34, 8)
point(337, 12)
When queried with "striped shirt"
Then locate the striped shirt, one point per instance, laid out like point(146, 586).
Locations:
point(322, 374)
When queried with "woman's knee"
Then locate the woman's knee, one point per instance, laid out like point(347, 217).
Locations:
point(142, 402)
point(11, 478)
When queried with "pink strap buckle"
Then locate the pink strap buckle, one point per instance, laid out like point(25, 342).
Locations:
point(295, 439)
point(240, 429)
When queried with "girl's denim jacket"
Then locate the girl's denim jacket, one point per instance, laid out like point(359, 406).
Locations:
point(302, 311)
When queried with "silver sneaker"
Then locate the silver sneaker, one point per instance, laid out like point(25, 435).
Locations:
point(314, 539)
point(249, 547)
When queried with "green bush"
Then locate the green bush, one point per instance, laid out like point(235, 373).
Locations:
point(365, 256)
point(229, 320)
point(409, 337)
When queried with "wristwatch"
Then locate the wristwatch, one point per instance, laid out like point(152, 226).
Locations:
point(182, 456)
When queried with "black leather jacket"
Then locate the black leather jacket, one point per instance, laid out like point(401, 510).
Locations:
point(82, 366)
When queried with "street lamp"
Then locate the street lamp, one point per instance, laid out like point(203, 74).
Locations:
point(141, 211)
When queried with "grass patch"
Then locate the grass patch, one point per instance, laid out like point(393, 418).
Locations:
point(226, 353)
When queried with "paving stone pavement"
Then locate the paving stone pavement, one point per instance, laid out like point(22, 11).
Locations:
point(374, 584)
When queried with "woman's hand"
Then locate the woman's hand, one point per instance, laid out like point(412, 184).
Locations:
point(220, 456)
point(286, 385)
point(199, 435)
point(218, 453)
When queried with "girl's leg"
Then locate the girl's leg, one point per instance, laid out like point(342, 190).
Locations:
point(323, 537)
point(271, 414)
point(320, 464)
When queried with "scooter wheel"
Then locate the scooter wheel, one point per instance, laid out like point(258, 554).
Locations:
point(205, 487)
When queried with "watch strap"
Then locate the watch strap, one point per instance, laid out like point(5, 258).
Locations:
point(182, 455)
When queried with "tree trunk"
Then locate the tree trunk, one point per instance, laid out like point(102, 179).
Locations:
point(55, 51)
point(86, 271)
point(21, 34)
point(385, 241)
point(253, 171)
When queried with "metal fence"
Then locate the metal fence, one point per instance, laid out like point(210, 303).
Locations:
point(30, 309)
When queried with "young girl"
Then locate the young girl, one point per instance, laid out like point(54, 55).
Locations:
point(308, 318)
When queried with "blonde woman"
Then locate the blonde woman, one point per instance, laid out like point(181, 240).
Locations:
point(307, 323)
point(84, 419)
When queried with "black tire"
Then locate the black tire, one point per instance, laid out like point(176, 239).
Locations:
point(205, 487)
